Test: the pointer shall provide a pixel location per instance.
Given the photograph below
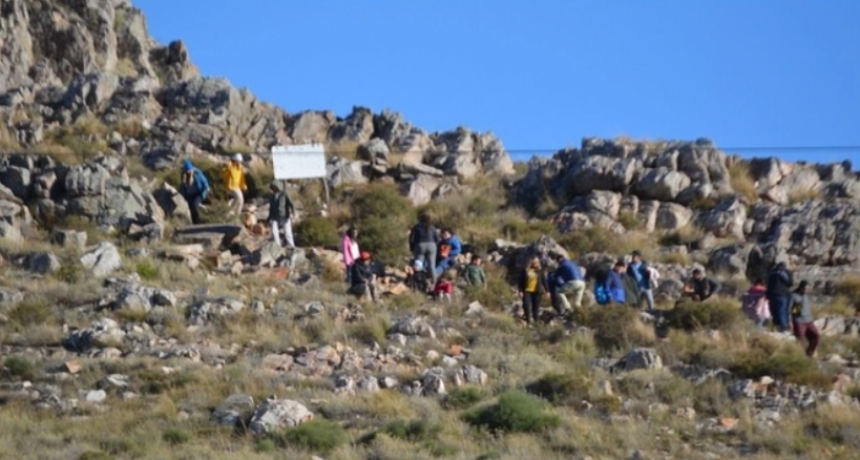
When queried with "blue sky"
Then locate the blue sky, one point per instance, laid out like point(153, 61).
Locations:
point(541, 75)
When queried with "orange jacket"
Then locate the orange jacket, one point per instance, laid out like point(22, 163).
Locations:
point(234, 176)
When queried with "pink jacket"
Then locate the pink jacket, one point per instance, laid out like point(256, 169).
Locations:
point(350, 250)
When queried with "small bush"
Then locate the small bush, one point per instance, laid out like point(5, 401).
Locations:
point(629, 220)
point(586, 240)
point(527, 231)
point(787, 363)
point(317, 231)
point(464, 397)
point(20, 367)
point(71, 272)
point(30, 312)
point(742, 181)
point(175, 436)
point(414, 431)
point(561, 389)
point(384, 218)
point(147, 271)
point(156, 382)
point(711, 314)
point(514, 412)
point(683, 236)
point(616, 327)
point(320, 436)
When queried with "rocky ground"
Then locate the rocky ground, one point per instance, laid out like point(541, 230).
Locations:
point(127, 333)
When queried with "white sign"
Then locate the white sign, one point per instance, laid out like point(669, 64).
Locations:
point(299, 161)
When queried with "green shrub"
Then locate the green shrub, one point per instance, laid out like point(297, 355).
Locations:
point(156, 381)
point(561, 389)
point(615, 327)
point(464, 397)
point(527, 231)
point(20, 367)
point(30, 312)
point(317, 231)
point(384, 218)
point(586, 240)
point(711, 314)
point(514, 412)
point(71, 272)
point(175, 436)
point(147, 271)
point(788, 363)
point(320, 436)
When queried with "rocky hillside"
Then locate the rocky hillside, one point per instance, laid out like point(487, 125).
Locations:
point(127, 333)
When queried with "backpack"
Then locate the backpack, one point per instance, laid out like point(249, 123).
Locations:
point(444, 250)
point(600, 294)
point(796, 306)
point(654, 276)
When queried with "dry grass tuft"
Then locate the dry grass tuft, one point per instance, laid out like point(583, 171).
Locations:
point(742, 181)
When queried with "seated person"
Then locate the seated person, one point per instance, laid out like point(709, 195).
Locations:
point(700, 288)
point(449, 248)
point(474, 272)
point(614, 284)
point(363, 280)
point(755, 305)
point(444, 288)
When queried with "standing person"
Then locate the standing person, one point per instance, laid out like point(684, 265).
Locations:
point(804, 323)
point(194, 188)
point(423, 241)
point(754, 303)
point(568, 278)
point(639, 271)
point(700, 288)
point(280, 214)
point(455, 248)
point(532, 287)
point(779, 282)
point(363, 280)
point(350, 250)
point(614, 284)
point(234, 179)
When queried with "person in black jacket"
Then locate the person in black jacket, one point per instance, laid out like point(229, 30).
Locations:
point(700, 288)
point(779, 282)
point(363, 279)
point(532, 286)
point(423, 242)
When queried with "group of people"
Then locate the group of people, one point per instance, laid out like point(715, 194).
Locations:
point(788, 309)
point(195, 188)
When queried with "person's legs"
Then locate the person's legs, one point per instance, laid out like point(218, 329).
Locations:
point(276, 232)
point(429, 252)
point(577, 287)
point(812, 336)
point(194, 207)
point(527, 306)
point(783, 313)
point(648, 294)
point(288, 232)
point(443, 265)
point(349, 275)
point(535, 305)
point(561, 302)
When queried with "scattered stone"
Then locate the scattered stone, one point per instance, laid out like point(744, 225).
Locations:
point(73, 366)
point(96, 396)
point(103, 260)
point(275, 414)
point(233, 410)
point(640, 358)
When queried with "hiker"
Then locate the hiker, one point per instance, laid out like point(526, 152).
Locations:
point(779, 282)
point(363, 280)
point(449, 248)
point(641, 272)
point(614, 284)
point(567, 278)
point(349, 248)
point(532, 287)
point(281, 211)
point(194, 188)
point(600, 295)
point(804, 323)
point(417, 279)
point(423, 241)
point(444, 288)
point(700, 288)
point(474, 272)
point(754, 303)
point(234, 180)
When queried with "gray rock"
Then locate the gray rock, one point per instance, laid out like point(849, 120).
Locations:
point(374, 151)
point(661, 184)
point(96, 396)
point(103, 260)
point(69, 238)
point(640, 358)
point(727, 219)
point(420, 190)
point(671, 216)
point(233, 410)
point(275, 414)
point(205, 310)
point(10, 233)
point(43, 262)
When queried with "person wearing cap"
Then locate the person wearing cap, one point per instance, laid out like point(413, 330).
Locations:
point(567, 278)
point(234, 180)
point(280, 214)
point(194, 188)
point(363, 279)
point(802, 319)
point(639, 271)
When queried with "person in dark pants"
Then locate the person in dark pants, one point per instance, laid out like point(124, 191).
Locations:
point(802, 319)
point(194, 188)
point(779, 282)
point(532, 287)
point(423, 242)
point(363, 279)
point(700, 288)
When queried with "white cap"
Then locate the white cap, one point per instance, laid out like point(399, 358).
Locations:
point(238, 158)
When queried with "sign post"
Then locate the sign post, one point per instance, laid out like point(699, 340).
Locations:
point(305, 161)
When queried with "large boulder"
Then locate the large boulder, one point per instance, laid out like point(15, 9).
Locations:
point(661, 184)
point(103, 260)
point(276, 414)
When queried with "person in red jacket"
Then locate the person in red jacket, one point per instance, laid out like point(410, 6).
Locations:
point(444, 288)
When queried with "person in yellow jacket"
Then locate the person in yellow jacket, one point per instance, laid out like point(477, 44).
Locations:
point(234, 178)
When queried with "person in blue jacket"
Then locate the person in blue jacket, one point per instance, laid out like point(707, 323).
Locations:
point(454, 249)
point(194, 188)
point(615, 284)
